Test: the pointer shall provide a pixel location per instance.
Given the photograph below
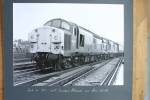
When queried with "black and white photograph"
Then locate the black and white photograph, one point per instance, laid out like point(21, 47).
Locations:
point(68, 44)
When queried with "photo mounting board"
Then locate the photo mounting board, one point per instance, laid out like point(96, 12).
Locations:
point(123, 92)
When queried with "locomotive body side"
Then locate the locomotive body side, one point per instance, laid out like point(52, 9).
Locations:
point(85, 42)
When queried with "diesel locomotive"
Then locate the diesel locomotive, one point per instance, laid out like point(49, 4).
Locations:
point(60, 44)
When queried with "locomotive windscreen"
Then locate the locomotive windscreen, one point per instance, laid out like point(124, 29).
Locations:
point(58, 23)
point(54, 23)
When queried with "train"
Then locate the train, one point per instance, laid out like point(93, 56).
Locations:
point(60, 44)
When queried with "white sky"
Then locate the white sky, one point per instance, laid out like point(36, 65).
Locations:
point(106, 20)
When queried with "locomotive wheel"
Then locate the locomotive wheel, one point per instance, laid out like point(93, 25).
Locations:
point(57, 64)
point(82, 60)
point(74, 61)
point(67, 63)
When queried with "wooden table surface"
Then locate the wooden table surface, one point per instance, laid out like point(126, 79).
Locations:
point(139, 49)
point(140, 40)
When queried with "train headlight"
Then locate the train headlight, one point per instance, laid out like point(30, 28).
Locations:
point(36, 30)
point(56, 47)
point(37, 35)
point(31, 46)
point(32, 37)
point(55, 37)
point(53, 30)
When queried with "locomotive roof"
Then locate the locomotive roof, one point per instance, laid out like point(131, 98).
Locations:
point(95, 35)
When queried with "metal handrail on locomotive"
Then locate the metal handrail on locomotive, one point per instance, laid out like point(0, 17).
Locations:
point(60, 44)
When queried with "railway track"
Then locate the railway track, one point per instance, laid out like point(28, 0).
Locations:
point(70, 80)
point(67, 77)
point(64, 79)
point(25, 70)
point(109, 79)
point(23, 76)
point(21, 60)
point(35, 78)
point(23, 65)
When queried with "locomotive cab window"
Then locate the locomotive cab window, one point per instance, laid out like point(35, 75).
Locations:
point(81, 40)
point(56, 23)
point(48, 23)
point(65, 25)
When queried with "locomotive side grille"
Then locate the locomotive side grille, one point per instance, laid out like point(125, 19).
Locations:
point(67, 42)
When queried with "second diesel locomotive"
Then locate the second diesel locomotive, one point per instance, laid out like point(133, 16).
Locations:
point(60, 44)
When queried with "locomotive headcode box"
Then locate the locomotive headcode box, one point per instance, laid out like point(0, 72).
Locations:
point(68, 49)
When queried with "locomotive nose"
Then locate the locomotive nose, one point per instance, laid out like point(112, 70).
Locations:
point(49, 40)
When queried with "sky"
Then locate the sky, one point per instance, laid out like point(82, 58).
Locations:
point(106, 20)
